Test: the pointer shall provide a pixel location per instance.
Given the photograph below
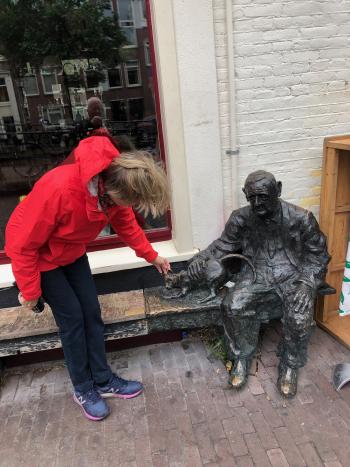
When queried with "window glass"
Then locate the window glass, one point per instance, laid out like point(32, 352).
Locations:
point(136, 109)
point(92, 80)
point(4, 97)
point(132, 73)
point(114, 77)
point(48, 113)
point(125, 10)
point(118, 110)
point(130, 35)
point(30, 85)
point(49, 79)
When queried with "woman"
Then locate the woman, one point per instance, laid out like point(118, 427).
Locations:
point(46, 239)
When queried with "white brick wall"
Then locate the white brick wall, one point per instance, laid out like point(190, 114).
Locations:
point(292, 63)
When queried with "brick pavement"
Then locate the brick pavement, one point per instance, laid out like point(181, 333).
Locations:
point(186, 417)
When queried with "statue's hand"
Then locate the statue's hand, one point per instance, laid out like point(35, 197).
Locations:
point(303, 298)
point(195, 269)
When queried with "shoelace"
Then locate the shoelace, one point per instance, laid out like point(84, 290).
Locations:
point(120, 382)
point(90, 396)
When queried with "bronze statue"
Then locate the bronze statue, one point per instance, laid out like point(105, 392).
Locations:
point(214, 274)
point(289, 254)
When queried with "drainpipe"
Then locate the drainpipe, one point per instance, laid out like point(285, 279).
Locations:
point(233, 151)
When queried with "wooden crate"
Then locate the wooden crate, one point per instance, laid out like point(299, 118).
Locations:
point(335, 222)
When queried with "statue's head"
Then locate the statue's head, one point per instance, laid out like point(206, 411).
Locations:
point(262, 192)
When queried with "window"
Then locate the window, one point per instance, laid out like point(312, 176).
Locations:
point(126, 21)
point(144, 10)
point(136, 108)
point(52, 114)
point(4, 97)
point(108, 9)
point(49, 78)
point(30, 85)
point(132, 112)
point(115, 77)
point(132, 73)
point(55, 115)
point(118, 110)
point(92, 80)
point(9, 124)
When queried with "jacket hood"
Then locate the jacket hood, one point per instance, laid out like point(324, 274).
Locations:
point(93, 155)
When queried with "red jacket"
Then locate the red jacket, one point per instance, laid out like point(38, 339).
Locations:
point(61, 215)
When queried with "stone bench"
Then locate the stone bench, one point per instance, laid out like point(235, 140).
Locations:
point(126, 314)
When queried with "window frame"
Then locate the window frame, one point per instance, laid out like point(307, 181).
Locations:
point(125, 105)
point(118, 67)
point(124, 24)
point(128, 105)
point(31, 75)
point(126, 68)
point(42, 74)
point(6, 91)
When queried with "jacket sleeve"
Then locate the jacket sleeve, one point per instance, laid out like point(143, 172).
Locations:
point(125, 224)
point(315, 252)
point(30, 228)
point(228, 242)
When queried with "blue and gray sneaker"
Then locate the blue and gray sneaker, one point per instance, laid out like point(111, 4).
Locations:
point(119, 387)
point(94, 407)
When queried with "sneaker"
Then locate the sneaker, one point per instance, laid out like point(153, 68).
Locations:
point(119, 387)
point(94, 407)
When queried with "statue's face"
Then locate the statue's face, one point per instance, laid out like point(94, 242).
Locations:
point(263, 197)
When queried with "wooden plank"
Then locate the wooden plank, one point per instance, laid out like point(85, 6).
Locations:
point(328, 190)
point(338, 327)
point(332, 139)
point(337, 267)
point(328, 205)
point(18, 322)
point(345, 208)
point(339, 239)
point(343, 185)
point(340, 144)
point(334, 222)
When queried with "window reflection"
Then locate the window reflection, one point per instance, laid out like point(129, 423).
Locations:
point(43, 114)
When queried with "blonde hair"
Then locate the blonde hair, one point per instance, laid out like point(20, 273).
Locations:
point(138, 180)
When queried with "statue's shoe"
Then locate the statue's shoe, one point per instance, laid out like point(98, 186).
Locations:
point(287, 381)
point(239, 375)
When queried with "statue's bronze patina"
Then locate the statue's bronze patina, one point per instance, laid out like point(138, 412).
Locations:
point(289, 254)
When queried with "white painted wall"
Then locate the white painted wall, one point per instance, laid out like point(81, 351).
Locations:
point(195, 46)
point(292, 62)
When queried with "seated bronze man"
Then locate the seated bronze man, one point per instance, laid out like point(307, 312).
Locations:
point(289, 253)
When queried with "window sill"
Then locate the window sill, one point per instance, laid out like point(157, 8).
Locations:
point(116, 259)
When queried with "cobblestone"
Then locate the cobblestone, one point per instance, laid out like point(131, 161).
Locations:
point(187, 415)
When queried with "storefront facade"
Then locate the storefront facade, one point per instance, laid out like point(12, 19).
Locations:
point(240, 86)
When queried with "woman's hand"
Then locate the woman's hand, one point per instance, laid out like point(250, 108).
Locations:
point(162, 265)
point(27, 303)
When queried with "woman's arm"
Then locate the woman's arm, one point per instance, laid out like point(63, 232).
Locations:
point(29, 228)
point(125, 224)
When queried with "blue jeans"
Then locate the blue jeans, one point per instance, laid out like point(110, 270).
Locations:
point(70, 291)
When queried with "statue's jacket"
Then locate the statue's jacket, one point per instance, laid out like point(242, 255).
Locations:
point(291, 240)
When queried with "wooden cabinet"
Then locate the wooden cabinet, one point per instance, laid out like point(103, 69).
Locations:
point(335, 222)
